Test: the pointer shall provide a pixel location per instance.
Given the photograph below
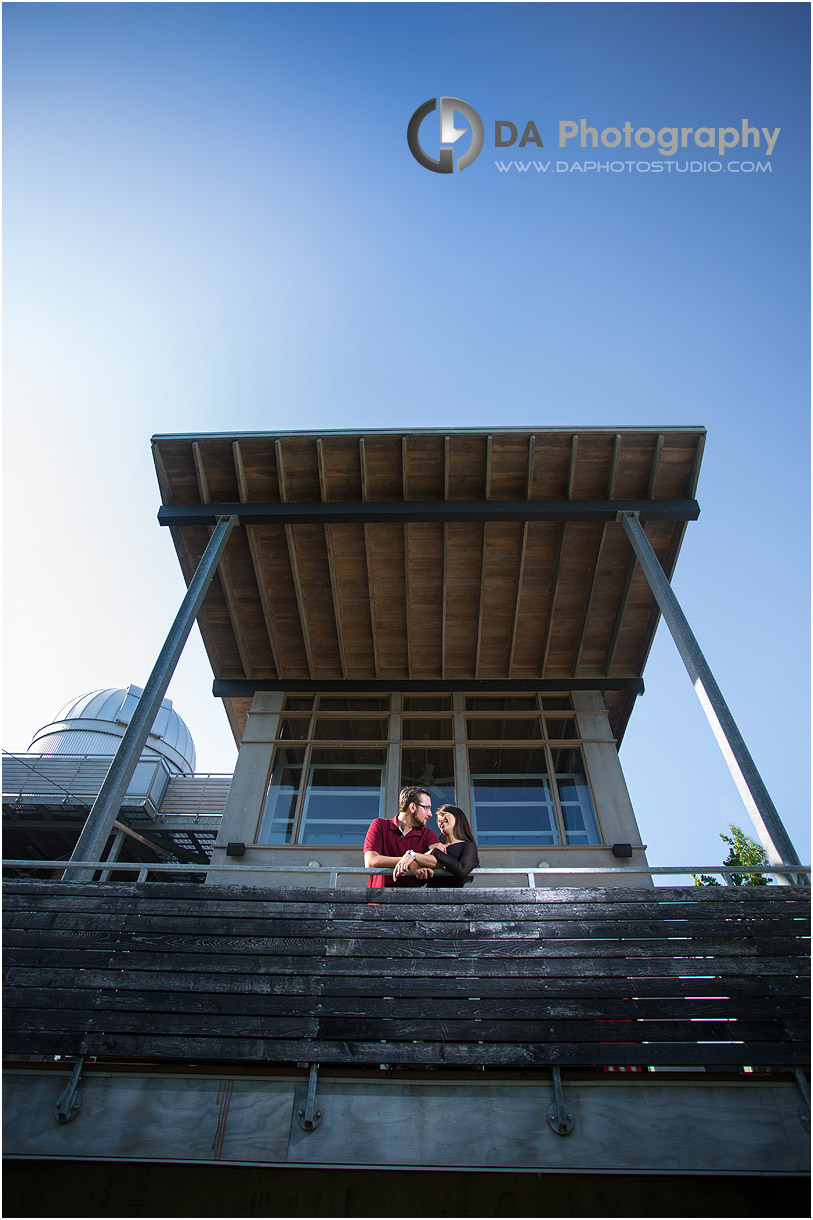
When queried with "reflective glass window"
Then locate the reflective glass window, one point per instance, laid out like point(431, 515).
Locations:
point(427, 703)
point(294, 728)
point(354, 703)
point(516, 729)
point(511, 798)
point(561, 728)
point(326, 728)
point(432, 769)
point(578, 813)
point(500, 703)
point(277, 819)
point(344, 792)
point(436, 728)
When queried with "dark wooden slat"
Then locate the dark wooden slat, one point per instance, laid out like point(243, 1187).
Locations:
point(479, 948)
point(160, 1047)
point(209, 923)
point(376, 916)
point(216, 993)
point(226, 1026)
point(247, 974)
point(264, 957)
point(659, 899)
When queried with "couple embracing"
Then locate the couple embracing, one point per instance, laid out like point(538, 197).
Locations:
point(408, 846)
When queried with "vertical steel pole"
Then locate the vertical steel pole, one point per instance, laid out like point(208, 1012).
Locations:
point(761, 809)
point(106, 807)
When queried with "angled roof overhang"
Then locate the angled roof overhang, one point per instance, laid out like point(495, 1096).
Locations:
point(429, 559)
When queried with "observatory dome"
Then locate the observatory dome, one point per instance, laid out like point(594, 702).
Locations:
point(94, 724)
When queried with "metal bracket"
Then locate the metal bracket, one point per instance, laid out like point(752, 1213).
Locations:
point(559, 1116)
point(70, 1102)
point(310, 1117)
point(804, 1113)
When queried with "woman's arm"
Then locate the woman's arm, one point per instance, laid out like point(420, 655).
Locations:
point(461, 868)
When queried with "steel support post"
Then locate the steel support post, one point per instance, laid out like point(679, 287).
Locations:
point(106, 807)
point(755, 796)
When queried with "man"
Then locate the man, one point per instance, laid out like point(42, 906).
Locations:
point(392, 840)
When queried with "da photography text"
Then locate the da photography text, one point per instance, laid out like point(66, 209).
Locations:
point(441, 144)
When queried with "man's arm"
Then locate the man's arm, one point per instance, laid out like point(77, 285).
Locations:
point(374, 859)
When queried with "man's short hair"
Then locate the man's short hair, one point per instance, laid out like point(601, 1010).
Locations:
point(409, 796)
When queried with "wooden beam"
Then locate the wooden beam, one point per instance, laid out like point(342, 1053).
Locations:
point(614, 460)
point(368, 558)
point(555, 586)
point(294, 561)
point(523, 544)
point(228, 583)
point(609, 658)
point(484, 545)
point(256, 558)
point(445, 586)
point(602, 534)
point(694, 474)
point(331, 560)
point(653, 471)
point(571, 477)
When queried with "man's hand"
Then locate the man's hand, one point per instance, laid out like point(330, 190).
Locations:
point(402, 865)
point(407, 865)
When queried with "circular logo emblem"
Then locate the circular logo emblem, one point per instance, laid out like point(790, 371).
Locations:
point(449, 134)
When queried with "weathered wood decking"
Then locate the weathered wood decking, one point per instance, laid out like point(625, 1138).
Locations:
point(494, 978)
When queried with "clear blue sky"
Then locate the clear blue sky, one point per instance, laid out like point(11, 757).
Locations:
point(213, 223)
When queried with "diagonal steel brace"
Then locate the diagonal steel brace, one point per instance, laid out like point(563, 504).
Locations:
point(70, 1102)
point(559, 1116)
point(310, 1117)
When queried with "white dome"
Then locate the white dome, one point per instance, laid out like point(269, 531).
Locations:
point(95, 723)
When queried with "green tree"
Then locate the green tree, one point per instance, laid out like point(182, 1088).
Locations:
point(742, 850)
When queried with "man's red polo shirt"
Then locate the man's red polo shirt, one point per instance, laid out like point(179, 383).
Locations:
point(384, 836)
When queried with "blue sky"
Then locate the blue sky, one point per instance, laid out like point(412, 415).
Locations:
point(213, 223)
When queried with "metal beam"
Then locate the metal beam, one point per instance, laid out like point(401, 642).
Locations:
point(373, 511)
point(761, 809)
point(106, 807)
point(240, 688)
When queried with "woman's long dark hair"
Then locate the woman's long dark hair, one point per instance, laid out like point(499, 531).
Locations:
point(462, 826)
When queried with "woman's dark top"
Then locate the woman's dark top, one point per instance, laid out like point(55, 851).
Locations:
point(459, 860)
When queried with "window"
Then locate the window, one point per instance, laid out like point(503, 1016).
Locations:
point(341, 798)
point(526, 785)
point(431, 767)
point(512, 800)
point(574, 797)
point(322, 796)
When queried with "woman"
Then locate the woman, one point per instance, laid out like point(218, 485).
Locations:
point(455, 856)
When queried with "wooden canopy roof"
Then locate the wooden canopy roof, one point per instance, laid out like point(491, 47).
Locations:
point(413, 559)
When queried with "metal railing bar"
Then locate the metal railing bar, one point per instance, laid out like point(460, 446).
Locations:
point(335, 870)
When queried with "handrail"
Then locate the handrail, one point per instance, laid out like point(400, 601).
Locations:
point(336, 869)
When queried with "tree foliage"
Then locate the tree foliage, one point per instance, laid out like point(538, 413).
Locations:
point(742, 850)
